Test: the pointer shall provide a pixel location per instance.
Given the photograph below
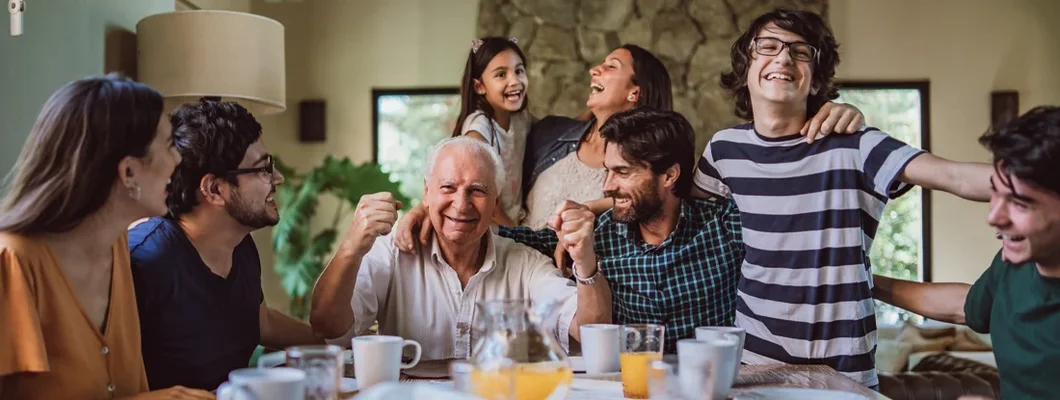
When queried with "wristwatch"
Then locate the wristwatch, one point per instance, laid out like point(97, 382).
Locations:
point(585, 281)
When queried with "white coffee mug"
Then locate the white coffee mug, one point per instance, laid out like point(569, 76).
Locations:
point(712, 332)
point(263, 384)
point(601, 345)
point(706, 366)
point(377, 359)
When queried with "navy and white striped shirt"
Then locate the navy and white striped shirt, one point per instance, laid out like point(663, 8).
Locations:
point(809, 214)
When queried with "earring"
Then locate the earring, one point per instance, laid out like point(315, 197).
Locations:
point(631, 98)
point(134, 192)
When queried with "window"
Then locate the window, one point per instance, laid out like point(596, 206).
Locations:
point(901, 248)
point(406, 124)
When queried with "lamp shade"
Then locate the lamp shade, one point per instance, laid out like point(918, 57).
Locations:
point(235, 56)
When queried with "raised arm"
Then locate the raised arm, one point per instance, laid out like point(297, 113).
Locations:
point(938, 301)
point(331, 314)
point(574, 226)
point(967, 180)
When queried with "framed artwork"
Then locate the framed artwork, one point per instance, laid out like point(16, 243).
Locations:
point(1004, 107)
point(406, 123)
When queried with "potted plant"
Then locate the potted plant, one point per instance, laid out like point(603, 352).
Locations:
point(301, 249)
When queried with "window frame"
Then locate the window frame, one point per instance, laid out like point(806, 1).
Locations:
point(380, 92)
point(923, 87)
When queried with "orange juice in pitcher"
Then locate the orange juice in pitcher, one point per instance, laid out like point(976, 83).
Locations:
point(515, 357)
point(524, 382)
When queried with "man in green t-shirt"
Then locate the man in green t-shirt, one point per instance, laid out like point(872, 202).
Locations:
point(1017, 299)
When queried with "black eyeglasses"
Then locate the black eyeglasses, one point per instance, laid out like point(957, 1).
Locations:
point(799, 51)
point(266, 173)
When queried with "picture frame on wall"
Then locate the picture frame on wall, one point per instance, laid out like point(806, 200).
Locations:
point(1004, 107)
point(406, 124)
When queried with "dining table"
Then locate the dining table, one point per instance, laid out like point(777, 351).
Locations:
point(751, 377)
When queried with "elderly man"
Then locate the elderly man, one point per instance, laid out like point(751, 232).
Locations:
point(430, 296)
point(670, 259)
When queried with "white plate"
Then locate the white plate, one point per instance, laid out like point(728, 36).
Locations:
point(577, 363)
point(349, 384)
point(593, 384)
point(606, 376)
point(797, 394)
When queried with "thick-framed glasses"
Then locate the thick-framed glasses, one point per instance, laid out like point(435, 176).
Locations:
point(266, 173)
point(799, 51)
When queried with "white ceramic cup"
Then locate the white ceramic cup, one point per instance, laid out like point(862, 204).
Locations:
point(706, 366)
point(263, 384)
point(711, 332)
point(601, 345)
point(377, 359)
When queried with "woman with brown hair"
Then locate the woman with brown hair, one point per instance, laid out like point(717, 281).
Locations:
point(98, 158)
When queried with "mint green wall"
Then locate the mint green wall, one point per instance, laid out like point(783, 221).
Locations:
point(62, 40)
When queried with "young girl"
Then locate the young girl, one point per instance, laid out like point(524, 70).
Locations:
point(493, 109)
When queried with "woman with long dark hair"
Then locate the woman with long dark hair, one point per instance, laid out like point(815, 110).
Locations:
point(98, 158)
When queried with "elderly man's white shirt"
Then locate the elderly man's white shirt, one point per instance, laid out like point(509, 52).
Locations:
point(418, 296)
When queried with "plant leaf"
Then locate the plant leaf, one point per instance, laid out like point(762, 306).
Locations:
point(301, 254)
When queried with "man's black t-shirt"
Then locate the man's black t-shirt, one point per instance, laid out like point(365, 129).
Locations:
point(196, 326)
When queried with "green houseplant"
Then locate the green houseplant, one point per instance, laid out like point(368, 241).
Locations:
point(300, 250)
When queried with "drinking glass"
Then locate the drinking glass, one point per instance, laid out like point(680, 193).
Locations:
point(642, 344)
point(323, 368)
point(664, 379)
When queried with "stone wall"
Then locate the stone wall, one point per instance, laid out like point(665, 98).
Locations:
point(564, 38)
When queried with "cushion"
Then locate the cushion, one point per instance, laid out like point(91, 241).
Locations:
point(968, 340)
point(892, 356)
point(931, 329)
point(927, 339)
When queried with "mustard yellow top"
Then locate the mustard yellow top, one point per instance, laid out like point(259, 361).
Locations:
point(48, 344)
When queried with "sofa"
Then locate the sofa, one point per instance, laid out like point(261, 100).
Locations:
point(935, 361)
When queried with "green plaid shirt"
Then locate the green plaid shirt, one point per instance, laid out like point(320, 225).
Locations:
point(687, 281)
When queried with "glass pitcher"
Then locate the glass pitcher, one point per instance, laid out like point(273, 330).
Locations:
point(515, 355)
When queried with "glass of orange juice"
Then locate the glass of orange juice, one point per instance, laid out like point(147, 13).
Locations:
point(642, 344)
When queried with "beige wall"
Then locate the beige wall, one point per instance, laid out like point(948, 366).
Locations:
point(339, 49)
point(62, 41)
point(229, 5)
point(966, 48)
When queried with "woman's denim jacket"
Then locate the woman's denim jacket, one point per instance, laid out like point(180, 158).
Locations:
point(549, 140)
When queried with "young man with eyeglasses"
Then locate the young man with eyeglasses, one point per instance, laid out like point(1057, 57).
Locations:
point(810, 210)
point(197, 272)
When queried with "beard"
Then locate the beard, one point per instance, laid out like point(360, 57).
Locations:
point(645, 204)
point(245, 213)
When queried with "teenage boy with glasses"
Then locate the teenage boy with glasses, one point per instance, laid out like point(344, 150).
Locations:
point(810, 210)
